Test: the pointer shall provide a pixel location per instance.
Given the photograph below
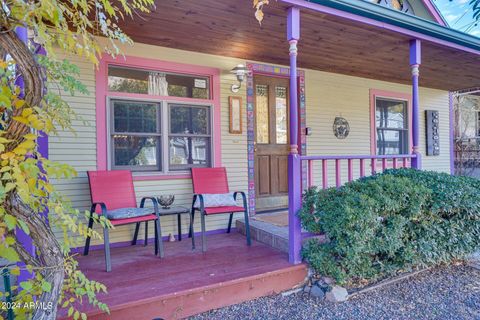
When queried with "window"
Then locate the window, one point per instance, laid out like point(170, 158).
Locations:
point(189, 137)
point(129, 80)
point(391, 120)
point(138, 134)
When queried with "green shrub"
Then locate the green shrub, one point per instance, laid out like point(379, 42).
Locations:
point(391, 222)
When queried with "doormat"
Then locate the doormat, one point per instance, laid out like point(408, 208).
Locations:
point(279, 219)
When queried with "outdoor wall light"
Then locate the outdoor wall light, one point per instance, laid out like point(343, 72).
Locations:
point(240, 71)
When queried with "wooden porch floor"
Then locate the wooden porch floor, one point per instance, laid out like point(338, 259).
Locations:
point(186, 282)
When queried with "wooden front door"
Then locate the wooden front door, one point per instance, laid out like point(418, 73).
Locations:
point(271, 137)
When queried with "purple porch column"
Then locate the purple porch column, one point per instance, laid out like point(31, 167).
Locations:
point(294, 163)
point(415, 61)
point(43, 138)
point(23, 238)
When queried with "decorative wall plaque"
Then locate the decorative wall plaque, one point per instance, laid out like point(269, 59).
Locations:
point(235, 115)
point(433, 133)
point(341, 128)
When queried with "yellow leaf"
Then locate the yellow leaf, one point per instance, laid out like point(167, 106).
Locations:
point(29, 144)
point(26, 112)
point(30, 136)
point(7, 155)
point(32, 182)
point(21, 119)
point(19, 103)
point(19, 151)
point(36, 124)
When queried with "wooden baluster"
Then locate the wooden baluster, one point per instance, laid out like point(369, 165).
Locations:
point(362, 167)
point(338, 169)
point(384, 164)
point(350, 169)
point(405, 164)
point(310, 173)
point(394, 163)
point(374, 165)
point(324, 174)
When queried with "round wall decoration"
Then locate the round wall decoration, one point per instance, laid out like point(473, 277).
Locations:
point(341, 128)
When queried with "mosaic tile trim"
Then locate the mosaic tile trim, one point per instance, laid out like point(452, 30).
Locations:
point(266, 69)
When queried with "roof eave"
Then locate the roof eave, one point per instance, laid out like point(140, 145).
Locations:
point(395, 18)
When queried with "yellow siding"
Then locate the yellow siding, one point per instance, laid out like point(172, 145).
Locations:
point(330, 95)
point(327, 95)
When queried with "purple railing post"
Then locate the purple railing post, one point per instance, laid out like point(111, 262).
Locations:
point(415, 61)
point(294, 162)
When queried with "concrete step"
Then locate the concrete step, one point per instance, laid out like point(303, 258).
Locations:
point(269, 234)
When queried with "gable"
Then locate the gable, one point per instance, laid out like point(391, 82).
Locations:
point(425, 9)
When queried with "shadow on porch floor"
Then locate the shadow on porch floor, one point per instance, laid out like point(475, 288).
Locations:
point(186, 282)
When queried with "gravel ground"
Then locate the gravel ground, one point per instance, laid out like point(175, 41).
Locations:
point(445, 293)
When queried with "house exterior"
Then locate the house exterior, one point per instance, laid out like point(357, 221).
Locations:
point(335, 89)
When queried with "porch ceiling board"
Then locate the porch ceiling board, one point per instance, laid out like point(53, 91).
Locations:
point(328, 43)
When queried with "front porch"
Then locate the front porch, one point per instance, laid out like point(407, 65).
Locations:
point(186, 282)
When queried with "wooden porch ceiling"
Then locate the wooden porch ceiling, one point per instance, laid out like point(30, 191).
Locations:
point(328, 43)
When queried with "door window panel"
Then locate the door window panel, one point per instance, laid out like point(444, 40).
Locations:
point(281, 115)
point(262, 114)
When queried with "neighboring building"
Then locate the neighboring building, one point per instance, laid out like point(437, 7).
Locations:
point(366, 75)
point(466, 107)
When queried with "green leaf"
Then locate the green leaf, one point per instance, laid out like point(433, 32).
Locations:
point(10, 221)
point(26, 285)
point(46, 286)
point(9, 253)
point(23, 226)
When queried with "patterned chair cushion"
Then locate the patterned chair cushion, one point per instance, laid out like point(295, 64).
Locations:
point(125, 213)
point(216, 200)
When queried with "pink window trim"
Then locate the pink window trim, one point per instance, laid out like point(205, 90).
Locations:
point(101, 78)
point(374, 93)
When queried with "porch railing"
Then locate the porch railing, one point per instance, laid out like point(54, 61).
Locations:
point(375, 164)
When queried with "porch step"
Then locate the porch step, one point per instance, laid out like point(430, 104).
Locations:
point(269, 234)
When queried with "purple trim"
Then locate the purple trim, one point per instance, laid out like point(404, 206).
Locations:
point(22, 237)
point(293, 24)
point(123, 244)
point(294, 162)
point(437, 15)
point(452, 133)
point(415, 60)
point(380, 24)
point(415, 52)
point(354, 157)
point(43, 138)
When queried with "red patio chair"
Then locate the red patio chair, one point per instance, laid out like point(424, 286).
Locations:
point(214, 181)
point(111, 191)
